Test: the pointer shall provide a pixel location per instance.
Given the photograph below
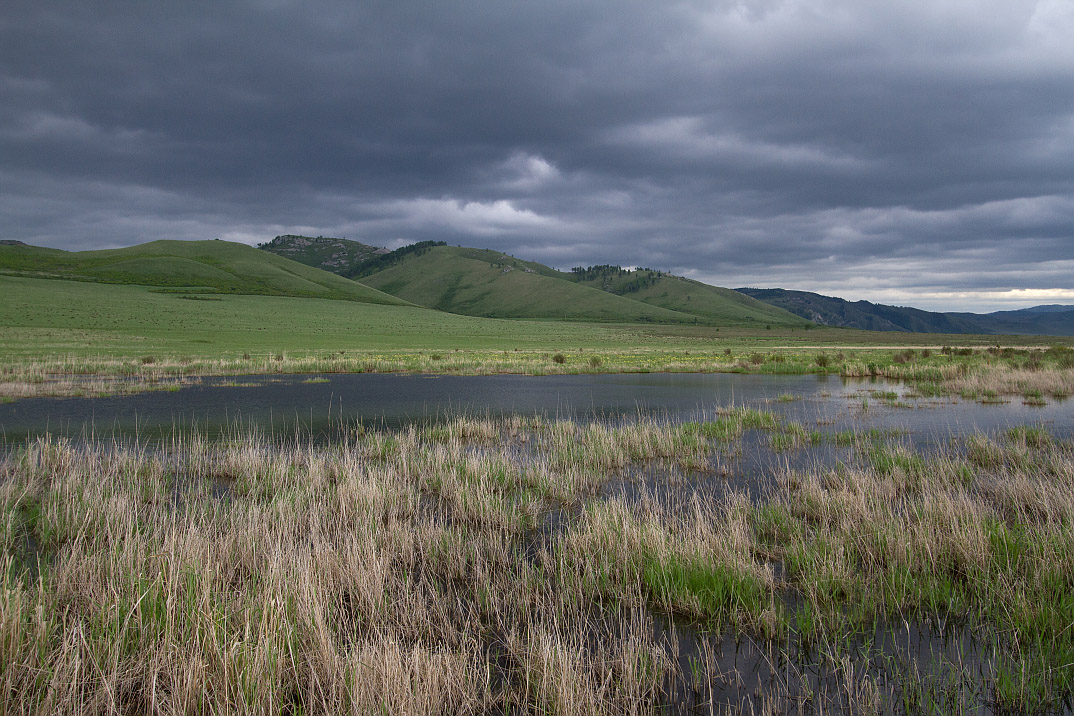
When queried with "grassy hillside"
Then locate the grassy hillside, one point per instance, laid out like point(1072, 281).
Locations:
point(481, 282)
point(717, 305)
point(484, 285)
point(190, 266)
point(41, 317)
point(340, 256)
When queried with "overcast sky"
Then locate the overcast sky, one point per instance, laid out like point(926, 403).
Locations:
point(918, 152)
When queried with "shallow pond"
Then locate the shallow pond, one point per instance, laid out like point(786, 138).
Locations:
point(318, 405)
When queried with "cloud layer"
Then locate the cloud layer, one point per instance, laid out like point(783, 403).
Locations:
point(916, 153)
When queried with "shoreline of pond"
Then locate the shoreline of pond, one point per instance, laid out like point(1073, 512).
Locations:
point(327, 405)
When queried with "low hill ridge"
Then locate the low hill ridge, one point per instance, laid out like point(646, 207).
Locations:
point(190, 266)
point(483, 282)
point(658, 288)
point(479, 282)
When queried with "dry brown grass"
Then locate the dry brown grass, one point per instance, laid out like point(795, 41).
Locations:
point(384, 574)
point(1012, 381)
point(402, 572)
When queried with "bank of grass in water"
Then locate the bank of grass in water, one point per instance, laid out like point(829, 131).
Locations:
point(1040, 376)
point(409, 572)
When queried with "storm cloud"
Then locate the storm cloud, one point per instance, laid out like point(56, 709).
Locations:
point(919, 153)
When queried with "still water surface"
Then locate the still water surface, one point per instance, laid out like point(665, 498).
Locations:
point(290, 404)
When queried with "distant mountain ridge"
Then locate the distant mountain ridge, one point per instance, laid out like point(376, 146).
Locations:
point(1043, 308)
point(1050, 320)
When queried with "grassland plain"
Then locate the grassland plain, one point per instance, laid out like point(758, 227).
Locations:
point(73, 337)
point(416, 572)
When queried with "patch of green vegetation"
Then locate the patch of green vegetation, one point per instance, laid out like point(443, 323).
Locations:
point(752, 418)
point(385, 261)
point(791, 436)
point(724, 429)
point(930, 389)
point(891, 459)
point(195, 297)
point(888, 395)
point(713, 592)
point(1030, 436)
point(1033, 398)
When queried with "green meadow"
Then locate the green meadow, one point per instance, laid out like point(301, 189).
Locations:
point(51, 317)
point(80, 318)
point(57, 334)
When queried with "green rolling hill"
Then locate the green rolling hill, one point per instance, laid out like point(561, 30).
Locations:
point(466, 281)
point(481, 282)
point(190, 266)
point(720, 306)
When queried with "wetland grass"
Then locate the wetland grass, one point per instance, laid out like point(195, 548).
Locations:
point(1049, 374)
point(415, 571)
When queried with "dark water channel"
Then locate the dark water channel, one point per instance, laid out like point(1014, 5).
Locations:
point(317, 405)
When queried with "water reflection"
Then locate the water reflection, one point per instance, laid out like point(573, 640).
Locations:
point(283, 406)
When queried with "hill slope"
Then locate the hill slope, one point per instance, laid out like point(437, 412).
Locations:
point(832, 311)
point(480, 282)
point(340, 256)
point(717, 305)
point(198, 266)
point(352, 259)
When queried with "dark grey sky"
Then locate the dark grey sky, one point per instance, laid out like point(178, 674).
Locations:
point(917, 152)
